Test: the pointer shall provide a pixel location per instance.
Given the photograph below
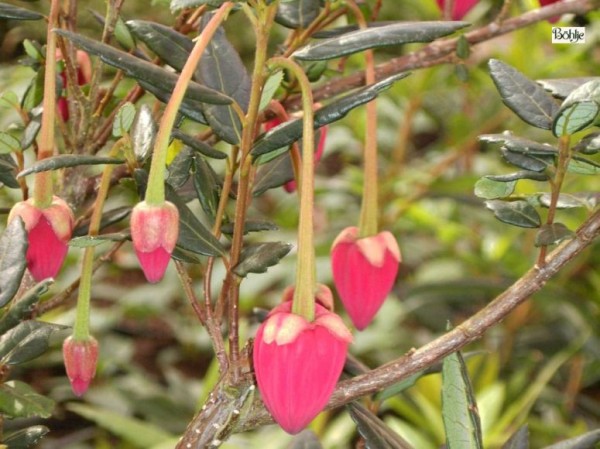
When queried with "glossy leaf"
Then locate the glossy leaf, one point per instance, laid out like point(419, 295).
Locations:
point(551, 234)
point(523, 96)
point(189, 106)
point(274, 173)
point(179, 169)
point(96, 240)
point(518, 213)
point(21, 309)
point(193, 235)
point(297, 13)
point(177, 5)
point(16, 13)
point(520, 144)
point(590, 144)
point(223, 70)
point(19, 400)
point(251, 226)
point(377, 37)
point(562, 87)
point(143, 132)
point(26, 341)
point(519, 440)
point(579, 110)
point(459, 410)
point(109, 218)
point(67, 160)
point(207, 185)
point(376, 433)
point(524, 174)
point(527, 162)
point(123, 119)
point(490, 189)
point(13, 247)
point(25, 438)
point(306, 439)
point(569, 201)
point(8, 171)
point(585, 441)
point(198, 145)
point(142, 70)
point(290, 131)
point(259, 257)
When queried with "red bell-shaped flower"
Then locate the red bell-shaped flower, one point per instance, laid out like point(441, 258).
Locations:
point(461, 7)
point(298, 363)
point(48, 232)
point(364, 271)
point(154, 231)
point(81, 358)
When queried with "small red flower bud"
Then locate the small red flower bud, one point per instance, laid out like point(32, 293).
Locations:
point(298, 363)
point(80, 357)
point(154, 231)
point(48, 233)
point(364, 271)
point(461, 7)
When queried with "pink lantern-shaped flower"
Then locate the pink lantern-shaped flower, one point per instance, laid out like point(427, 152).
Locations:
point(460, 9)
point(84, 75)
point(81, 358)
point(298, 363)
point(154, 231)
point(364, 271)
point(48, 233)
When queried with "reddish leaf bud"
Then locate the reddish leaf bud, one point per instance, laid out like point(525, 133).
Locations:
point(298, 363)
point(154, 231)
point(48, 232)
point(80, 357)
point(364, 271)
point(461, 7)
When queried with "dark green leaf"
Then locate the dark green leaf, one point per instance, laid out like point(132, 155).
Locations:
point(179, 169)
point(519, 144)
point(585, 441)
point(13, 246)
point(383, 36)
point(207, 185)
point(35, 92)
point(306, 439)
point(570, 201)
point(463, 50)
point(189, 107)
point(297, 13)
point(16, 13)
point(32, 129)
point(193, 235)
point(143, 132)
point(142, 70)
point(551, 234)
point(339, 31)
point(25, 438)
point(274, 173)
point(579, 110)
point(290, 131)
point(490, 189)
point(561, 88)
point(517, 213)
point(108, 218)
point(67, 160)
point(176, 5)
point(8, 171)
point(523, 96)
point(223, 70)
point(525, 174)
point(459, 410)
point(519, 440)
point(590, 144)
point(19, 400)
point(251, 226)
point(198, 145)
point(259, 257)
point(95, 240)
point(527, 162)
point(21, 309)
point(26, 341)
point(376, 433)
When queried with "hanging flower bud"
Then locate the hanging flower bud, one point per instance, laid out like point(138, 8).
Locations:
point(80, 357)
point(154, 231)
point(48, 233)
point(84, 75)
point(364, 271)
point(461, 7)
point(298, 363)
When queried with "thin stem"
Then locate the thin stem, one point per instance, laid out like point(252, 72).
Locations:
point(155, 194)
point(304, 293)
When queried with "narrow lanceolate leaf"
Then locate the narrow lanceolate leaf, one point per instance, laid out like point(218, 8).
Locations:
point(517, 213)
point(519, 440)
point(535, 163)
point(579, 110)
point(67, 160)
point(259, 257)
point(8, 171)
point(551, 234)
point(177, 5)
point(142, 70)
point(198, 145)
point(383, 36)
point(523, 174)
point(251, 226)
point(193, 235)
point(459, 410)
point(96, 240)
point(222, 69)
point(19, 400)
point(207, 185)
point(585, 441)
point(562, 87)
point(376, 433)
point(274, 173)
point(520, 144)
point(290, 131)
point(25, 438)
point(269, 89)
point(21, 309)
point(16, 13)
point(143, 132)
point(26, 341)
point(297, 13)
point(13, 246)
point(490, 189)
point(523, 96)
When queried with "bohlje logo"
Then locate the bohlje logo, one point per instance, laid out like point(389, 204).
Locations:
point(568, 35)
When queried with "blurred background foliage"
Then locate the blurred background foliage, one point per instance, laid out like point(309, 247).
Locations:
point(540, 367)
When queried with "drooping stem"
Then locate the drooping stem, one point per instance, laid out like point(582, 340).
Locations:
point(42, 189)
point(304, 293)
point(155, 194)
